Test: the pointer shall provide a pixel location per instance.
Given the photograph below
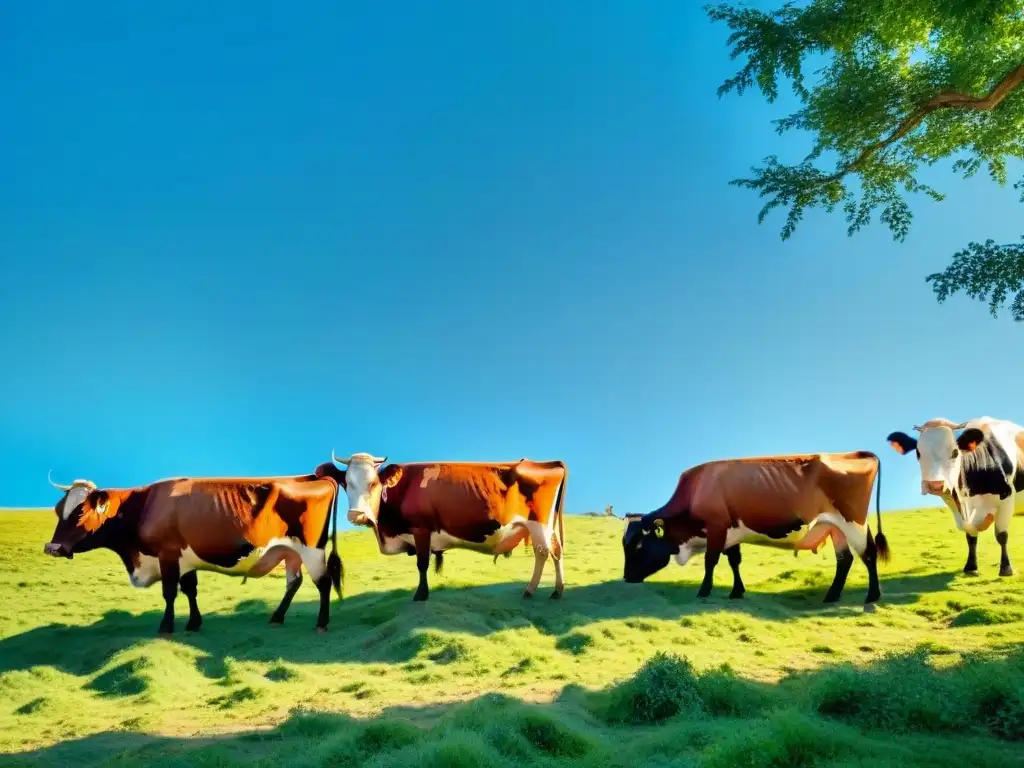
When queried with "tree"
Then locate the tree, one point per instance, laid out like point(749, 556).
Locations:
point(905, 84)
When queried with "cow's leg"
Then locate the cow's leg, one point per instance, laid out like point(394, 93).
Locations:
point(847, 533)
point(541, 539)
point(1003, 516)
point(315, 561)
point(323, 586)
point(421, 538)
point(715, 545)
point(169, 575)
point(559, 570)
point(844, 561)
point(293, 580)
point(733, 554)
point(189, 584)
point(870, 558)
point(971, 566)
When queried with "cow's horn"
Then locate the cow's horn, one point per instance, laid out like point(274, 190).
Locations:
point(379, 461)
point(340, 461)
point(58, 486)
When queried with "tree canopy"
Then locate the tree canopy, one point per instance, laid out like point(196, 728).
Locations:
point(904, 84)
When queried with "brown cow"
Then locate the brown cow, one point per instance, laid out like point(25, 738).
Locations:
point(488, 507)
point(170, 529)
point(718, 504)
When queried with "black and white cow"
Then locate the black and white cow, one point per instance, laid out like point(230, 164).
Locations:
point(977, 475)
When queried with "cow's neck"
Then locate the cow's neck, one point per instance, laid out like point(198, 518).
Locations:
point(679, 503)
point(120, 533)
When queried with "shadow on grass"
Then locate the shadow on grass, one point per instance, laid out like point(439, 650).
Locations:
point(896, 711)
point(387, 626)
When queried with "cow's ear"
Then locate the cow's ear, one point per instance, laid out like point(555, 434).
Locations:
point(390, 476)
point(970, 439)
point(901, 442)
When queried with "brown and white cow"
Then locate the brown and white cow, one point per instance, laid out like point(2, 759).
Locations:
point(718, 504)
point(487, 507)
point(168, 530)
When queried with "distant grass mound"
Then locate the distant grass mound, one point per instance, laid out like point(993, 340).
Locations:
point(613, 675)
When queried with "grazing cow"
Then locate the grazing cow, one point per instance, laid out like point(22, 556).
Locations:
point(718, 504)
point(170, 529)
point(488, 507)
point(977, 475)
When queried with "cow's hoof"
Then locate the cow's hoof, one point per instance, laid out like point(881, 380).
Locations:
point(970, 570)
point(166, 629)
point(193, 626)
point(1007, 571)
point(556, 595)
point(703, 593)
point(321, 630)
point(830, 598)
point(527, 595)
point(276, 621)
point(419, 598)
point(734, 595)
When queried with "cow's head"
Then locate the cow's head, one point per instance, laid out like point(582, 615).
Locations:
point(81, 512)
point(363, 485)
point(647, 547)
point(939, 453)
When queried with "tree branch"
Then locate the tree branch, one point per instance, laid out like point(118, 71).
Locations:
point(946, 100)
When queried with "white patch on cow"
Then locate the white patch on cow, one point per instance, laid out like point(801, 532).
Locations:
point(1004, 513)
point(430, 473)
point(699, 544)
point(363, 488)
point(147, 573)
point(75, 496)
point(314, 559)
point(856, 535)
point(940, 458)
point(441, 541)
point(977, 508)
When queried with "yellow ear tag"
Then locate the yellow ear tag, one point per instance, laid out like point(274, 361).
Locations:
point(659, 528)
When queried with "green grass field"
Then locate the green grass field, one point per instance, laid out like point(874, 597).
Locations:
point(612, 675)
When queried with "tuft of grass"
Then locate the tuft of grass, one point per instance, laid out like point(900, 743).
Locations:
point(575, 643)
point(985, 616)
point(905, 694)
point(665, 686)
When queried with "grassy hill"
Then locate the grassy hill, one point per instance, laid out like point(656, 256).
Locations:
point(612, 675)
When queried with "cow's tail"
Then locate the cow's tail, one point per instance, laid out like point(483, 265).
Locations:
point(335, 567)
point(881, 543)
point(559, 506)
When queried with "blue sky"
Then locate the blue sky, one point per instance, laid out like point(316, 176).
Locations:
point(232, 241)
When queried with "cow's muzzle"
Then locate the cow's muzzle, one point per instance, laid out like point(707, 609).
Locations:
point(937, 487)
point(358, 517)
point(632, 578)
point(57, 550)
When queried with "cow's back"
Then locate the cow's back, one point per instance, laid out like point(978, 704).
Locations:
point(457, 496)
point(758, 492)
point(208, 514)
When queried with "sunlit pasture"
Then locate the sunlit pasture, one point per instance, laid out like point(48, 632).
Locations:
point(612, 675)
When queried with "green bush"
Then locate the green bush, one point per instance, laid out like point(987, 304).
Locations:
point(665, 686)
